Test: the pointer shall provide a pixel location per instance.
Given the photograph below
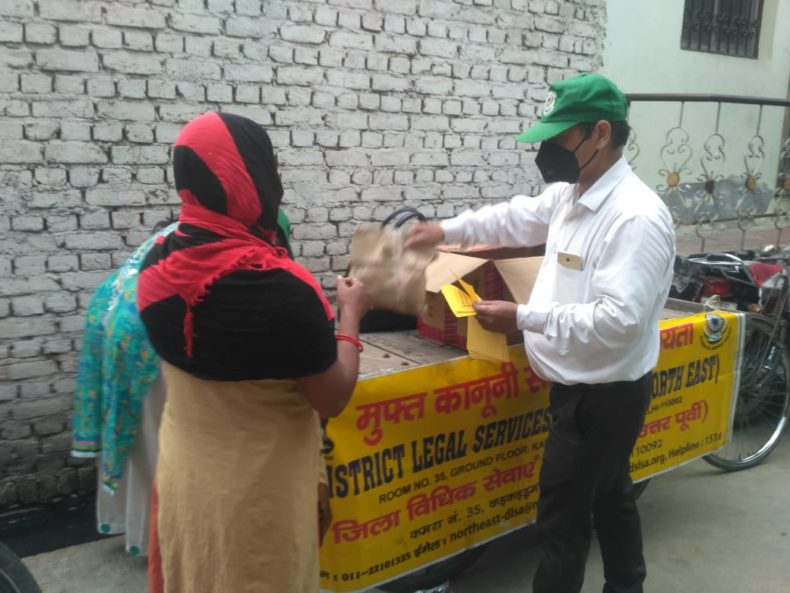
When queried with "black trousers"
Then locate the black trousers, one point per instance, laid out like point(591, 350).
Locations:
point(585, 481)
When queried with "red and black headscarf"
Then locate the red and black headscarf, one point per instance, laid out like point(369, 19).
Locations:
point(222, 270)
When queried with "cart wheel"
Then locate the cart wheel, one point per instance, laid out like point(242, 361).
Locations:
point(14, 576)
point(436, 574)
point(640, 487)
point(763, 401)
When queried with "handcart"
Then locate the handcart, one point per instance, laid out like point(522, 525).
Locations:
point(438, 453)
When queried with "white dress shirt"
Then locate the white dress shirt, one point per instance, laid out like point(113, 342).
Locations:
point(594, 310)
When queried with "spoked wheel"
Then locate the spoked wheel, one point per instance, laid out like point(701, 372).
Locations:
point(763, 402)
point(14, 576)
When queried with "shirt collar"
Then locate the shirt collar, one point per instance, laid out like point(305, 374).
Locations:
point(600, 190)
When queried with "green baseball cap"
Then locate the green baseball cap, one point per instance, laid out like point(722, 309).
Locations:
point(581, 98)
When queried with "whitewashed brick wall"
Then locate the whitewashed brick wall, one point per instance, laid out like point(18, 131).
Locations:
point(371, 104)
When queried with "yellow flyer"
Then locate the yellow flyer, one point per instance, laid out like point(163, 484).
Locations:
point(430, 461)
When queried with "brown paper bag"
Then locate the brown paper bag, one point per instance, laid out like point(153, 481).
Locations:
point(394, 276)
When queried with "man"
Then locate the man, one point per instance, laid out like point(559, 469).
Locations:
point(591, 324)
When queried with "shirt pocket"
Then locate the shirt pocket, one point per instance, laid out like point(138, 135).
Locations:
point(568, 285)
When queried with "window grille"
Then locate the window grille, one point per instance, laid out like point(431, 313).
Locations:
point(730, 27)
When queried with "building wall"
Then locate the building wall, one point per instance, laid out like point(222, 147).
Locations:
point(371, 104)
point(642, 54)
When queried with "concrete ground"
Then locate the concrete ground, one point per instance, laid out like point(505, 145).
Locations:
point(705, 532)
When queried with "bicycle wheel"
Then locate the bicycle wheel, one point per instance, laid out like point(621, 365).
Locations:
point(763, 401)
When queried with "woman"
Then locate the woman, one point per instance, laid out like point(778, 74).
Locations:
point(119, 397)
point(251, 359)
point(118, 401)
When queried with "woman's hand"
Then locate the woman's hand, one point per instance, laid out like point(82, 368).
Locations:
point(352, 298)
point(424, 234)
point(329, 392)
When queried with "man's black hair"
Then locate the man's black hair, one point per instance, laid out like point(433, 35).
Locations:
point(620, 131)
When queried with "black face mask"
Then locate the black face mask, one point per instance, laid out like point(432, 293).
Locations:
point(559, 164)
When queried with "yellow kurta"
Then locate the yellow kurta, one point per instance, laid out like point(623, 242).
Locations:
point(238, 487)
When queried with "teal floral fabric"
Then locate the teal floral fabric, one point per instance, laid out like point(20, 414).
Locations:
point(117, 367)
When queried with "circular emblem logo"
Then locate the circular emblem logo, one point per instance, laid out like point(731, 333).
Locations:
point(548, 106)
point(714, 327)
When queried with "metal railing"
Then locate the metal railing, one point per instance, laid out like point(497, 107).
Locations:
point(701, 191)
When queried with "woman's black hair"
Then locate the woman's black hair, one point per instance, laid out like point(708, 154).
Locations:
point(164, 223)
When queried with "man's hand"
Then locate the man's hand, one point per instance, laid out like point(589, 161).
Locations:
point(424, 234)
point(324, 512)
point(497, 316)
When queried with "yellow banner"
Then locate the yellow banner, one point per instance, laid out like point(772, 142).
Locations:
point(694, 391)
point(430, 461)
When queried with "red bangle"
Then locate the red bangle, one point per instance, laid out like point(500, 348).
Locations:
point(355, 341)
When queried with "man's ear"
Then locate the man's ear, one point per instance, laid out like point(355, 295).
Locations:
point(602, 134)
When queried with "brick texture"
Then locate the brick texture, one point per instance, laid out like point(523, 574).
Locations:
point(371, 104)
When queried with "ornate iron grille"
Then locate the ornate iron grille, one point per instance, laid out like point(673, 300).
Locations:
point(730, 27)
point(705, 195)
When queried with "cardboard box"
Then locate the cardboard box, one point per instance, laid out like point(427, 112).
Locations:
point(497, 274)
